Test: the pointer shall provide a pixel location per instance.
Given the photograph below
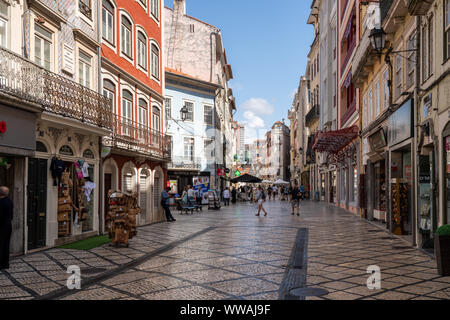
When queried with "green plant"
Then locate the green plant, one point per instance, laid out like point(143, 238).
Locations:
point(444, 230)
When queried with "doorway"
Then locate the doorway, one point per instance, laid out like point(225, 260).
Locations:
point(37, 203)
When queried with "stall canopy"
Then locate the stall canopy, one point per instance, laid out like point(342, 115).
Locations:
point(247, 179)
point(335, 141)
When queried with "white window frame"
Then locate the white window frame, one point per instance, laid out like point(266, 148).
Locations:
point(377, 92)
point(112, 43)
point(128, 106)
point(193, 109)
point(5, 19)
point(129, 58)
point(398, 75)
point(370, 104)
point(158, 10)
point(139, 49)
point(154, 43)
point(43, 38)
point(212, 114)
point(386, 89)
point(112, 95)
point(192, 157)
point(85, 70)
point(156, 116)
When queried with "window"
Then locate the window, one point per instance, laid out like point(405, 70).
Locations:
point(189, 148)
point(85, 8)
point(398, 75)
point(126, 36)
point(154, 9)
point(155, 119)
point(410, 61)
point(43, 47)
point(142, 50)
point(427, 49)
point(127, 112)
point(84, 69)
point(109, 91)
point(447, 29)
point(3, 24)
point(144, 3)
point(143, 113)
point(377, 98)
point(155, 61)
point(190, 108)
point(370, 105)
point(365, 111)
point(168, 103)
point(386, 89)
point(108, 21)
point(208, 115)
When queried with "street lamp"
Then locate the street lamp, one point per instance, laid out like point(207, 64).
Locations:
point(378, 39)
point(184, 111)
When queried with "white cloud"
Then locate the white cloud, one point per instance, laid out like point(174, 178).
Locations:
point(253, 121)
point(258, 106)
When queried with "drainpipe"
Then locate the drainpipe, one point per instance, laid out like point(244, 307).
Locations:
point(100, 146)
point(416, 133)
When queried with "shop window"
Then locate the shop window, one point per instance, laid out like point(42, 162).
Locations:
point(66, 151)
point(4, 18)
point(40, 147)
point(88, 154)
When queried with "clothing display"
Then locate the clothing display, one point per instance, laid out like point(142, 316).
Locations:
point(121, 217)
point(400, 208)
point(85, 170)
point(88, 187)
point(78, 170)
point(57, 168)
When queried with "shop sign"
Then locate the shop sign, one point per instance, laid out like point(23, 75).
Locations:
point(427, 105)
point(221, 172)
point(377, 140)
point(2, 127)
point(106, 151)
point(201, 183)
point(400, 124)
point(237, 173)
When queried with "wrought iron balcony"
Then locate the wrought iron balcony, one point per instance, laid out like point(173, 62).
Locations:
point(312, 115)
point(28, 82)
point(185, 163)
point(418, 8)
point(130, 135)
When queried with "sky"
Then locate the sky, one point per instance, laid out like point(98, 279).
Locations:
point(267, 47)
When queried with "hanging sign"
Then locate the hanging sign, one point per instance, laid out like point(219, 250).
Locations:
point(2, 127)
point(106, 151)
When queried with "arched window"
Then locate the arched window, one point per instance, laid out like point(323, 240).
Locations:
point(66, 150)
point(155, 9)
point(142, 50)
point(109, 91)
point(127, 112)
point(155, 119)
point(143, 112)
point(40, 147)
point(155, 61)
point(108, 21)
point(126, 36)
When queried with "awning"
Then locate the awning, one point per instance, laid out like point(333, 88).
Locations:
point(247, 179)
point(335, 141)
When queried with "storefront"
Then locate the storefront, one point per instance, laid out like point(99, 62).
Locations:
point(17, 145)
point(401, 186)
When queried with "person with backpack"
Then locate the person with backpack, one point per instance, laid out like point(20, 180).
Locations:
point(260, 198)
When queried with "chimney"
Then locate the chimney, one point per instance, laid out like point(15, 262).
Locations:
point(179, 6)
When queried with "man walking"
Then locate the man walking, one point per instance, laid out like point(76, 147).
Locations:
point(165, 204)
point(191, 195)
point(6, 216)
point(226, 197)
point(295, 199)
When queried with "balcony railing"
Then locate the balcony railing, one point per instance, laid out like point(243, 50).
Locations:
point(312, 115)
point(185, 163)
point(348, 55)
point(85, 9)
point(56, 94)
point(132, 136)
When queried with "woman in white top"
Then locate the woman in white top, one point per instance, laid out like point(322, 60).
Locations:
point(260, 197)
point(226, 197)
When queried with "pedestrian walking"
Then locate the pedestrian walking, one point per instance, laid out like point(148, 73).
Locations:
point(226, 196)
point(165, 204)
point(295, 199)
point(269, 192)
point(302, 192)
point(260, 198)
point(190, 195)
point(6, 217)
point(233, 195)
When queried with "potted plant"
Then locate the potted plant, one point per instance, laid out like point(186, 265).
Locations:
point(442, 250)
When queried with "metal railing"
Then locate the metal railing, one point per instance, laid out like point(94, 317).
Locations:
point(185, 163)
point(31, 83)
point(312, 115)
point(133, 136)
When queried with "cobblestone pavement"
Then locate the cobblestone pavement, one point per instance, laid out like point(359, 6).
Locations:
point(231, 254)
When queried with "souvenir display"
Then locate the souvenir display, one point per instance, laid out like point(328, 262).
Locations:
point(121, 217)
point(399, 206)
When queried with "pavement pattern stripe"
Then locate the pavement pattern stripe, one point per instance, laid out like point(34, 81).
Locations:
point(65, 291)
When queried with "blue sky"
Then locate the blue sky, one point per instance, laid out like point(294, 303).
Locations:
point(267, 47)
